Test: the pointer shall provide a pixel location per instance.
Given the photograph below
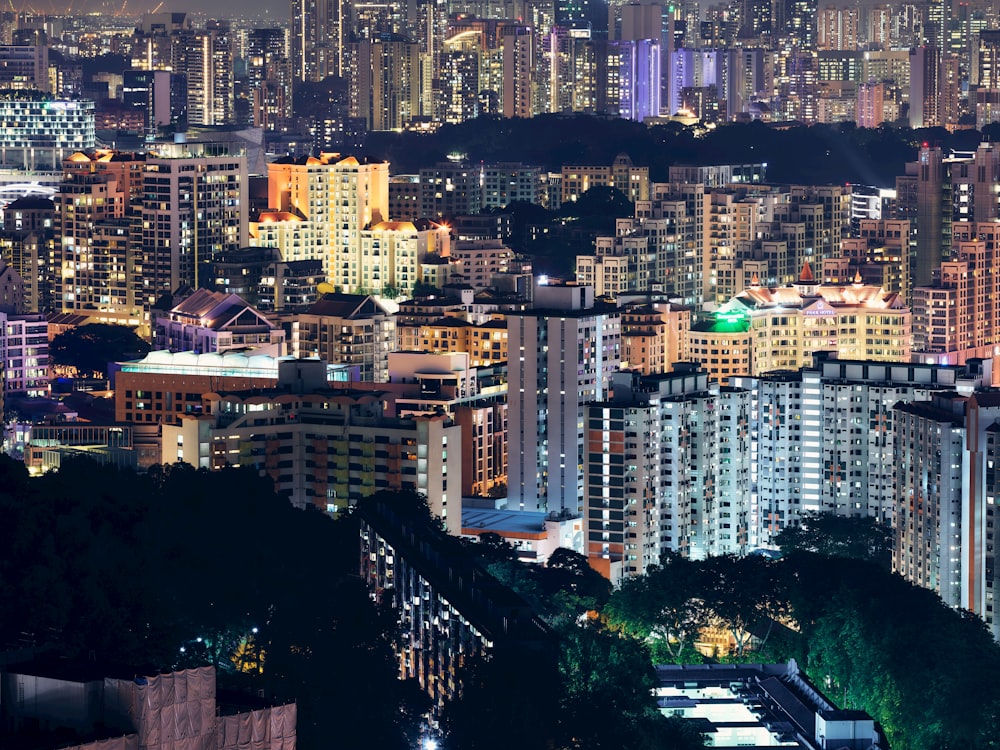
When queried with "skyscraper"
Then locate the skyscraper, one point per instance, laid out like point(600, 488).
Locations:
point(561, 356)
point(269, 74)
point(319, 34)
point(194, 206)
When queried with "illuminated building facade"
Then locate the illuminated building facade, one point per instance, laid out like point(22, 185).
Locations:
point(788, 324)
point(481, 260)
point(392, 253)
point(561, 356)
point(324, 448)
point(723, 345)
point(345, 329)
point(880, 255)
point(946, 453)
point(655, 480)
point(631, 180)
point(43, 131)
point(340, 197)
point(654, 336)
point(824, 436)
point(485, 343)
point(956, 317)
point(620, 264)
point(24, 352)
point(162, 386)
point(24, 67)
point(194, 207)
point(207, 322)
point(450, 609)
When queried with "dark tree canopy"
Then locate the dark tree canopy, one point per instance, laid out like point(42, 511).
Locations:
point(106, 564)
point(866, 637)
point(839, 536)
point(89, 349)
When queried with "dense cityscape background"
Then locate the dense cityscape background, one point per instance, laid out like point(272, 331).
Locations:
point(473, 375)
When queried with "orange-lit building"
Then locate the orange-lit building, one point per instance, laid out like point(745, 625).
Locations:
point(784, 326)
point(486, 344)
point(654, 336)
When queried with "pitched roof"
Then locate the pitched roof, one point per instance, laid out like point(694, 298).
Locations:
point(347, 306)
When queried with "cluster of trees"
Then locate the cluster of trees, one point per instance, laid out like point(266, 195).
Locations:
point(592, 692)
point(179, 567)
point(817, 154)
point(866, 637)
point(87, 351)
point(182, 567)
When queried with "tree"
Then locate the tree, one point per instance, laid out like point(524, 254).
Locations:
point(89, 349)
point(840, 536)
point(665, 607)
point(743, 593)
point(607, 696)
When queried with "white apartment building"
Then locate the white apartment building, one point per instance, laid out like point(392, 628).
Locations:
point(24, 354)
point(561, 355)
point(947, 452)
point(824, 440)
point(667, 470)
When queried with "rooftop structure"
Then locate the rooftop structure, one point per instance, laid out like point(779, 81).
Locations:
point(761, 705)
point(139, 709)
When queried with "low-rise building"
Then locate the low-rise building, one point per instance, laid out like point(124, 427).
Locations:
point(761, 705)
point(323, 447)
point(138, 710)
point(450, 609)
point(207, 322)
point(163, 385)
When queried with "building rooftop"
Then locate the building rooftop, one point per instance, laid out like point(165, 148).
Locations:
point(508, 522)
point(337, 305)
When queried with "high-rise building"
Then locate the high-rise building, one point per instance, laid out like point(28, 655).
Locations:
point(24, 67)
point(984, 86)
point(871, 106)
point(194, 206)
point(666, 469)
point(518, 65)
point(879, 255)
point(956, 317)
point(450, 189)
point(561, 354)
point(639, 79)
point(391, 253)
point(839, 28)
point(204, 57)
point(939, 192)
point(925, 88)
point(824, 436)
point(88, 275)
point(160, 94)
point(269, 78)
point(336, 446)
point(385, 82)
point(340, 197)
point(320, 30)
point(946, 451)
